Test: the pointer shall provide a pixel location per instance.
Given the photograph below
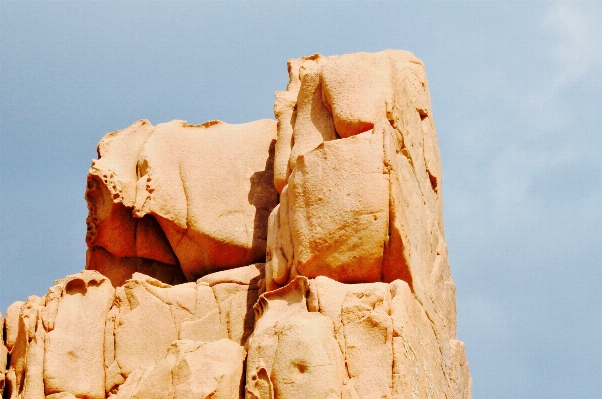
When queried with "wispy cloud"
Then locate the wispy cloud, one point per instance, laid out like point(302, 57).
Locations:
point(572, 45)
point(577, 28)
point(542, 131)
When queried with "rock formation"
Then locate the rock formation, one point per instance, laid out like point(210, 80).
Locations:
point(303, 258)
point(178, 201)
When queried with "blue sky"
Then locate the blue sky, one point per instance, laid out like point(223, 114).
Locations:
point(517, 100)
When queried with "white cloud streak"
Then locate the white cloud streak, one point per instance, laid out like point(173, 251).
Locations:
point(578, 31)
point(573, 43)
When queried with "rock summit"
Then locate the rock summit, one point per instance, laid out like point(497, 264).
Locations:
point(291, 259)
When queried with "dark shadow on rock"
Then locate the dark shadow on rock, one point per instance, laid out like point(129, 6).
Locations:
point(256, 288)
point(264, 197)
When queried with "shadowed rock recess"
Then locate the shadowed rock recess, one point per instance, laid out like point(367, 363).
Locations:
point(303, 258)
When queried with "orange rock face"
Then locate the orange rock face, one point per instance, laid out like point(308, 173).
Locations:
point(177, 201)
point(341, 198)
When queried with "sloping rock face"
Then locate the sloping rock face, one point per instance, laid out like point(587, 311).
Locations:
point(341, 198)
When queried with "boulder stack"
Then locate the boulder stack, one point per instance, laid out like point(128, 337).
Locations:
point(290, 259)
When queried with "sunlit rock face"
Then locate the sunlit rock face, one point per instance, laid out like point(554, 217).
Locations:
point(177, 201)
point(297, 258)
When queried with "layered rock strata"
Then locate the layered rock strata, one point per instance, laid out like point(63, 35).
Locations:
point(341, 198)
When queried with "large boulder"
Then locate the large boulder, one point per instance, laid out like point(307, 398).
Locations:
point(360, 196)
point(178, 201)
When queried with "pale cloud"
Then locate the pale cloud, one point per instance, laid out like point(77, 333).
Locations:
point(573, 44)
point(572, 33)
point(577, 28)
point(520, 177)
point(489, 316)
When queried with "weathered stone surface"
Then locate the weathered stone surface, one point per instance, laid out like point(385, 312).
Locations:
point(60, 338)
point(190, 370)
point(382, 163)
point(371, 340)
point(118, 243)
point(414, 344)
point(148, 316)
point(121, 269)
point(333, 219)
point(3, 359)
point(155, 209)
point(355, 300)
point(87, 339)
point(214, 220)
point(358, 89)
point(360, 313)
point(74, 318)
point(11, 324)
point(24, 376)
point(293, 353)
point(385, 166)
point(61, 395)
point(144, 325)
point(236, 292)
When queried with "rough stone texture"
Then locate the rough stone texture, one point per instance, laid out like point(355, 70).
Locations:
point(355, 300)
point(85, 338)
point(292, 353)
point(363, 204)
point(10, 328)
point(148, 316)
point(11, 324)
point(178, 201)
point(236, 292)
point(339, 209)
point(24, 375)
point(386, 164)
point(360, 314)
point(324, 339)
point(190, 370)
point(74, 317)
point(3, 359)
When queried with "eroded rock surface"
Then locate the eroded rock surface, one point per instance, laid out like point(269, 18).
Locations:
point(324, 339)
point(190, 370)
point(342, 200)
point(87, 339)
point(360, 196)
point(177, 201)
